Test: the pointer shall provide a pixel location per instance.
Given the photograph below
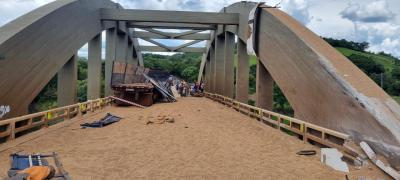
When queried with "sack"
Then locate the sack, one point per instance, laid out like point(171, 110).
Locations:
point(38, 172)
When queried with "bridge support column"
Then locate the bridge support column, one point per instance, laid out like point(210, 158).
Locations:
point(111, 36)
point(129, 55)
point(212, 69)
point(207, 75)
point(94, 68)
point(219, 64)
point(135, 61)
point(264, 88)
point(229, 66)
point(122, 47)
point(242, 73)
point(66, 83)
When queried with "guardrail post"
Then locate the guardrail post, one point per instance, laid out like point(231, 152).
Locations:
point(305, 133)
point(91, 106)
point(68, 116)
point(80, 108)
point(47, 119)
point(12, 130)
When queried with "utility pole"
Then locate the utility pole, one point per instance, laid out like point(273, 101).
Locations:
point(382, 80)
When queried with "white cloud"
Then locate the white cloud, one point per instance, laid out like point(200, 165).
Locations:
point(12, 9)
point(299, 9)
point(387, 45)
point(377, 11)
point(374, 23)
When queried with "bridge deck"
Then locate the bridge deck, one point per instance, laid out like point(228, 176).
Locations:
point(207, 141)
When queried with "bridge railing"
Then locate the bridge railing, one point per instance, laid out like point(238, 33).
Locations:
point(10, 128)
point(305, 131)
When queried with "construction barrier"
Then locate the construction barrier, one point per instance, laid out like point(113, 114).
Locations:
point(12, 128)
point(305, 131)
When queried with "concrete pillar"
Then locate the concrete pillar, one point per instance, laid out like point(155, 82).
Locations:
point(207, 75)
point(135, 61)
point(264, 88)
point(219, 64)
point(67, 82)
point(121, 47)
point(111, 36)
point(242, 72)
point(212, 69)
point(129, 54)
point(94, 68)
point(229, 64)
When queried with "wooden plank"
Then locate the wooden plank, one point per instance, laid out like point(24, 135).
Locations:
point(119, 67)
point(137, 15)
point(5, 133)
point(128, 102)
point(24, 128)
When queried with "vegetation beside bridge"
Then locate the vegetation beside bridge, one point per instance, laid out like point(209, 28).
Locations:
point(381, 67)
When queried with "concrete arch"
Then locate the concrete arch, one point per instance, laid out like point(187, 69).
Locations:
point(35, 46)
point(321, 84)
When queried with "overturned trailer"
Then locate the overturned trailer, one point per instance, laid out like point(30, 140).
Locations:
point(132, 83)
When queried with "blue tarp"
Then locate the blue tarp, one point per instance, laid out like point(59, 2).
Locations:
point(107, 120)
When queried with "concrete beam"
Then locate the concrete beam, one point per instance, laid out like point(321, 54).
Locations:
point(94, 68)
point(160, 49)
point(169, 16)
point(111, 40)
point(242, 73)
point(170, 25)
point(67, 82)
point(137, 54)
point(264, 88)
point(186, 45)
point(229, 64)
point(197, 36)
point(220, 64)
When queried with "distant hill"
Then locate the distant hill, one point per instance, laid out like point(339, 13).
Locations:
point(390, 65)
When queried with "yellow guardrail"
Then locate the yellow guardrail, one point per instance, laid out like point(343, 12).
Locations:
point(303, 130)
point(10, 127)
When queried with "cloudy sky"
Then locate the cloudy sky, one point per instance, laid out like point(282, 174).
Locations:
point(374, 21)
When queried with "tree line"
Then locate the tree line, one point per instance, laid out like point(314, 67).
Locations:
point(186, 65)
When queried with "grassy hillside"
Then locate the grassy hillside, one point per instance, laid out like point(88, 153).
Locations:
point(389, 63)
point(386, 61)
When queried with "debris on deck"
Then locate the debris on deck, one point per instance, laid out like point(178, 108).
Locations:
point(307, 152)
point(372, 156)
point(161, 119)
point(36, 166)
point(127, 102)
point(107, 120)
point(133, 85)
point(333, 158)
point(166, 93)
